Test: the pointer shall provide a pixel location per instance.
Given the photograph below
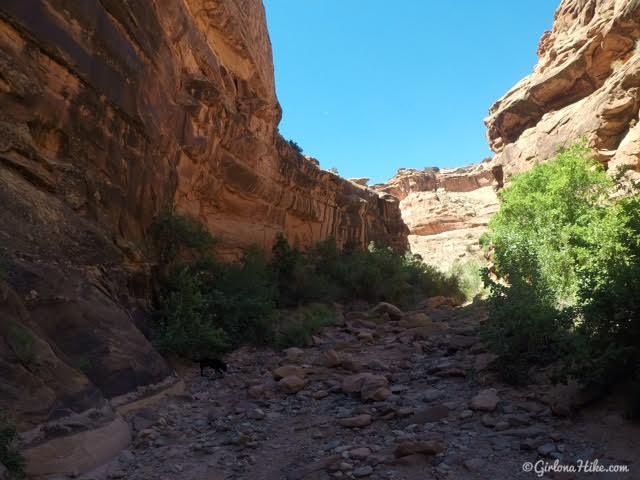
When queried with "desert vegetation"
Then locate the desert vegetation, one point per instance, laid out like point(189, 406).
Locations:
point(566, 285)
point(12, 460)
point(207, 306)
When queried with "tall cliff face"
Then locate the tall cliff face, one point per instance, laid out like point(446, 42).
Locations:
point(111, 110)
point(446, 210)
point(121, 108)
point(586, 84)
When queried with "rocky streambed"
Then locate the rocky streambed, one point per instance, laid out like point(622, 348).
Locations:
point(383, 395)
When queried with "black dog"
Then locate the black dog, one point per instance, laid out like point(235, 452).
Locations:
point(215, 363)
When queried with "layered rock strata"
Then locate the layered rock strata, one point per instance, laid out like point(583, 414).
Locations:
point(586, 85)
point(109, 112)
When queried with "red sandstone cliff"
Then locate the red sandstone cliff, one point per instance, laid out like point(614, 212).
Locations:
point(586, 84)
point(446, 210)
point(110, 111)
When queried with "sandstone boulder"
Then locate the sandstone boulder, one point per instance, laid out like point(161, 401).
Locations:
point(367, 385)
point(486, 400)
point(356, 422)
point(288, 370)
point(292, 384)
point(386, 308)
point(427, 447)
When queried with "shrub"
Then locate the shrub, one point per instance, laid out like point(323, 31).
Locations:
point(295, 329)
point(469, 277)
point(186, 324)
point(567, 261)
point(555, 212)
point(609, 299)
point(207, 307)
point(524, 328)
point(295, 146)
point(243, 299)
point(177, 237)
point(326, 273)
point(13, 461)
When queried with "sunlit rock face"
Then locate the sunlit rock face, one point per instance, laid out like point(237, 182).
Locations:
point(446, 210)
point(110, 111)
point(586, 85)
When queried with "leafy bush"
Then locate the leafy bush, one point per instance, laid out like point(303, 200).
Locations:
point(295, 329)
point(555, 214)
point(13, 461)
point(609, 299)
point(186, 324)
point(326, 273)
point(207, 307)
point(469, 277)
point(177, 237)
point(567, 262)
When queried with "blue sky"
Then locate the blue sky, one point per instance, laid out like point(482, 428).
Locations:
point(370, 86)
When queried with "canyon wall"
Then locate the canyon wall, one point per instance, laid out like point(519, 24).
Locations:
point(446, 210)
point(586, 85)
point(109, 112)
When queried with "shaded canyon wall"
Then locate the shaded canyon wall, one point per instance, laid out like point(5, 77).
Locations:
point(110, 111)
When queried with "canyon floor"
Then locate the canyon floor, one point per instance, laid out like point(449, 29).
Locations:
point(441, 416)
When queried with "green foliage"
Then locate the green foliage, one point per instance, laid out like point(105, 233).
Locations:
point(186, 324)
point(208, 307)
point(609, 300)
point(295, 146)
point(469, 277)
point(524, 328)
point(177, 237)
point(13, 461)
point(567, 265)
point(295, 329)
point(325, 273)
point(556, 213)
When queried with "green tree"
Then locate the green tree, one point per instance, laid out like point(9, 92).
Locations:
point(567, 268)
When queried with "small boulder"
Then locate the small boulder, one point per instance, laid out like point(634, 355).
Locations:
point(474, 464)
point(293, 353)
point(429, 415)
point(291, 384)
point(352, 365)
point(427, 447)
point(360, 453)
point(330, 358)
point(383, 307)
point(486, 400)
point(414, 320)
point(435, 302)
point(363, 471)
point(355, 422)
point(368, 385)
point(287, 371)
